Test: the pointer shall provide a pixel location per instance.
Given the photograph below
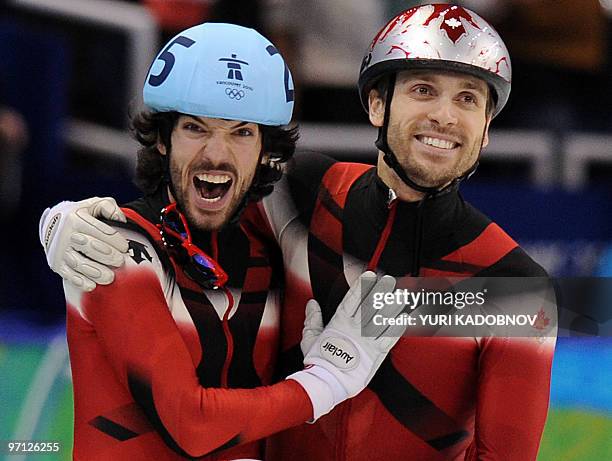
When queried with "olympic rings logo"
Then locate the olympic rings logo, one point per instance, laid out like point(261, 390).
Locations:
point(233, 93)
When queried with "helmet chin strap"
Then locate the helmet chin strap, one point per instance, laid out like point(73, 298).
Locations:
point(391, 160)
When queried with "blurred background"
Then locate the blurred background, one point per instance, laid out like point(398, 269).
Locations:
point(72, 70)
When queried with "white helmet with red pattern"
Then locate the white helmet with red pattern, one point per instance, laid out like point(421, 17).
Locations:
point(439, 36)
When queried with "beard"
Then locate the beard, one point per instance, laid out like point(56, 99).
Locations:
point(211, 220)
point(423, 172)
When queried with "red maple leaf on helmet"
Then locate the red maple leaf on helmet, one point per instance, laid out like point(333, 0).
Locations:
point(541, 321)
point(451, 20)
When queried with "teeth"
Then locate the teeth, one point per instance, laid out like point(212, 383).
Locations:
point(214, 178)
point(439, 143)
point(211, 200)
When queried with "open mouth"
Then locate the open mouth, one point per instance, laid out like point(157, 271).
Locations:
point(212, 187)
point(444, 144)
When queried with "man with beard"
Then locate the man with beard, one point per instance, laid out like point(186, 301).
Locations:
point(174, 359)
point(432, 80)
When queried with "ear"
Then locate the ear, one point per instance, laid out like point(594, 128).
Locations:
point(376, 108)
point(485, 137)
point(161, 147)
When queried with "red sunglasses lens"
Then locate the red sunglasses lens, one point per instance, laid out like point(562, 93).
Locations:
point(195, 263)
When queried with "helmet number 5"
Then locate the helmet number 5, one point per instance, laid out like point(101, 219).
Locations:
point(288, 91)
point(168, 58)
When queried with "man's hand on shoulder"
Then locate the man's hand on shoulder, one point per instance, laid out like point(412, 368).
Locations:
point(78, 246)
point(339, 360)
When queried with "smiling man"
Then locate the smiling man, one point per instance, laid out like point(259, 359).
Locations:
point(432, 81)
point(440, 128)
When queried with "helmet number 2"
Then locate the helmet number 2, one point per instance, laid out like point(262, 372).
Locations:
point(168, 58)
point(288, 91)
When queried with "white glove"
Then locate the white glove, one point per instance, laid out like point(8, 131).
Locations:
point(313, 326)
point(340, 362)
point(78, 246)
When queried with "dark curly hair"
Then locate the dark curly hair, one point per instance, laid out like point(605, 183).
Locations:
point(149, 127)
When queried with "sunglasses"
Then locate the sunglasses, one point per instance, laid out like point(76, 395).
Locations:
point(196, 264)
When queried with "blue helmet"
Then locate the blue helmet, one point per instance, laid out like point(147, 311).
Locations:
point(221, 71)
